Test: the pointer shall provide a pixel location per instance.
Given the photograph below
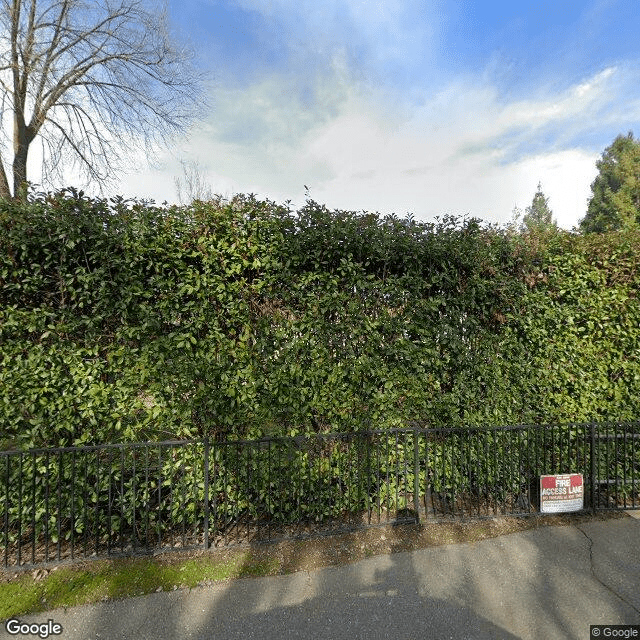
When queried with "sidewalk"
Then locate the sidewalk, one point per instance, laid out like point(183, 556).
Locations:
point(549, 583)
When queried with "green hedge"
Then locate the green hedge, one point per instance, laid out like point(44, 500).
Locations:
point(126, 321)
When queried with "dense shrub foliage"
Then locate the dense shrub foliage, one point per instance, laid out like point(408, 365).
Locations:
point(123, 321)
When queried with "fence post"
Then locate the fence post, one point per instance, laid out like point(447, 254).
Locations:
point(593, 467)
point(206, 492)
point(416, 474)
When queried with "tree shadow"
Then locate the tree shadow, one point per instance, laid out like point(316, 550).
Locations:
point(379, 597)
point(533, 584)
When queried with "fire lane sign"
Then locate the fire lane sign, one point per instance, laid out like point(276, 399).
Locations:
point(561, 493)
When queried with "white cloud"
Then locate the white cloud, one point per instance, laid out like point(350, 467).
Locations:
point(449, 156)
point(463, 151)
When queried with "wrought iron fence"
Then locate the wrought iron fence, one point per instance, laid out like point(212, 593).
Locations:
point(67, 503)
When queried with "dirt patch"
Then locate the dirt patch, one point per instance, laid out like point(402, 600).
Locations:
point(314, 553)
point(289, 556)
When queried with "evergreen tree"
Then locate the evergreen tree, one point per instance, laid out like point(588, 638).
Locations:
point(538, 216)
point(615, 203)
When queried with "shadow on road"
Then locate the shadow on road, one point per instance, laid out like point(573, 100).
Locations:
point(536, 584)
point(381, 597)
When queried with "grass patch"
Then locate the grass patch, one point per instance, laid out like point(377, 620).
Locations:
point(122, 578)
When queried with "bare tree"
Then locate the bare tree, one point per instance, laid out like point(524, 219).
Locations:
point(192, 185)
point(94, 80)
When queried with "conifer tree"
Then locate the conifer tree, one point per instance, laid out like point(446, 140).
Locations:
point(538, 216)
point(615, 203)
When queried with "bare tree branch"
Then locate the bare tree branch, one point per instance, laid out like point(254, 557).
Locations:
point(95, 80)
point(193, 185)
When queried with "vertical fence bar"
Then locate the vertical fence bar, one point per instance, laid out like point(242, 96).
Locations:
point(448, 491)
point(33, 511)
point(416, 474)
point(522, 490)
point(321, 483)
point(544, 468)
point(496, 505)
point(593, 467)
point(537, 467)
point(367, 443)
point(470, 502)
point(528, 474)
point(5, 528)
point(554, 459)
point(616, 457)
point(122, 500)
point(216, 470)
point(586, 459)
point(249, 467)
point(270, 486)
point(380, 484)
point(348, 488)
point(226, 499)
point(270, 508)
point(356, 452)
point(427, 489)
point(238, 494)
point(486, 488)
point(607, 454)
point(624, 466)
point(312, 499)
point(501, 462)
point(46, 510)
point(195, 495)
point(312, 495)
point(248, 487)
point(159, 523)
point(206, 492)
point(147, 497)
point(59, 517)
point(474, 503)
point(85, 502)
point(133, 498)
point(97, 509)
point(340, 485)
point(109, 504)
point(33, 515)
point(387, 447)
point(443, 474)
point(457, 479)
point(634, 436)
point(520, 502)
point(73, 500)
point(184, 511)
point(396, 475)
point(572, 444)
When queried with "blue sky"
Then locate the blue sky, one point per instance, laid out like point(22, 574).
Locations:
point(427, 107)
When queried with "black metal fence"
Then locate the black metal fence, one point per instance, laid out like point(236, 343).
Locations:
point(68, 503)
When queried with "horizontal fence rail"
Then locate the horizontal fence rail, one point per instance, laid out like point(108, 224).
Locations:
point(78, 502)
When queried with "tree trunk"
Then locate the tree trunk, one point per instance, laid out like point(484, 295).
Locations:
point(5, 191)
point(21, 150)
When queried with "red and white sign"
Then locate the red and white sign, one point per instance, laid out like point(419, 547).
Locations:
point(559, 494)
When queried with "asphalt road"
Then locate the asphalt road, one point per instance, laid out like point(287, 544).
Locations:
point(549, 583)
